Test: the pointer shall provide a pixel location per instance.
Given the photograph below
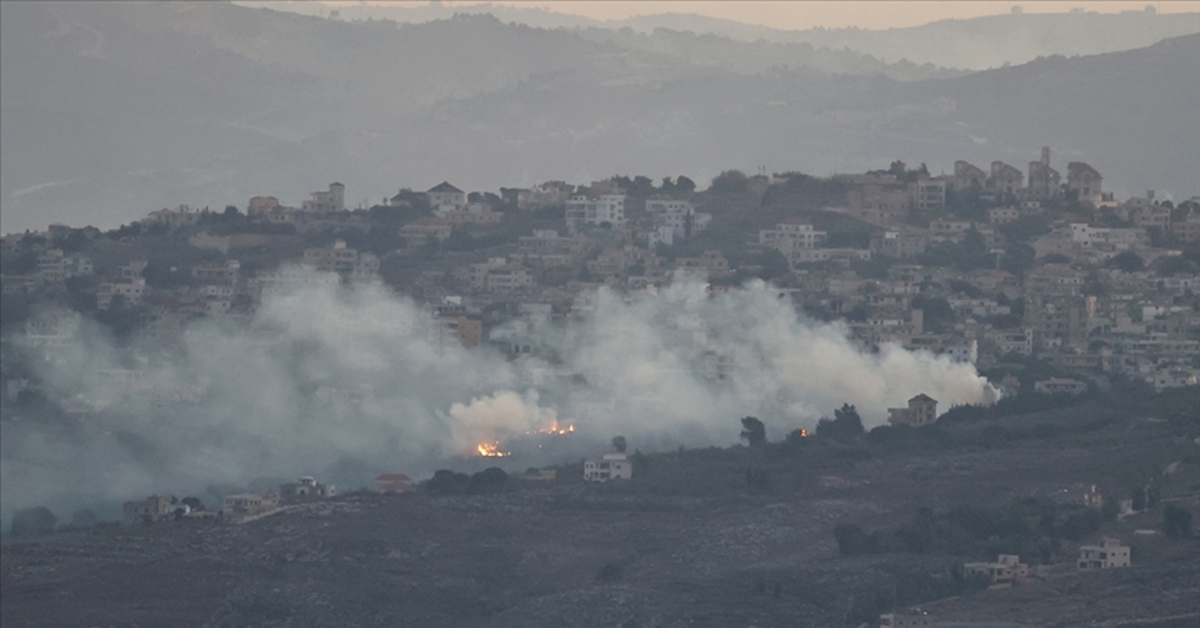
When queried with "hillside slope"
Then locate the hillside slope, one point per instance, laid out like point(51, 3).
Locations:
point(114, 110)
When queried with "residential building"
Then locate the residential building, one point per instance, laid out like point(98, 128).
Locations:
point(247, 504)
point(1008, 569)
point(419, 232)
point(1005, 179)
point(1003, 215)
point(549, 194)
point(306, 488)
point(711, 262)
point(1110, 554)
point(968, 176)
point(335, 258)
point(1044, 181)
point(678, 218)
point(1083, 180)
point(791, 237)
point(611, 466)
point(928, 194)
point(606, 210)
point(900, 244)
point(394, 483)
point(333, 200)
point(446, 195)
point(131, 292)
point(1059, 386)
point(152, 508)
point(921, 410)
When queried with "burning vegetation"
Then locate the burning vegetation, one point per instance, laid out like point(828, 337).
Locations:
point(555, 430)
point(491, 450)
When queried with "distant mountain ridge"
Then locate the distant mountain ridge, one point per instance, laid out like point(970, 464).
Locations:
point(113, 110)
point(976, 43)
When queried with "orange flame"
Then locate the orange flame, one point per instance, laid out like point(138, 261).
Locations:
point(803, 433)
point(555, 429)
point(491, 450)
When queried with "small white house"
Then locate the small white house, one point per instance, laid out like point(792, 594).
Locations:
point(608, 467)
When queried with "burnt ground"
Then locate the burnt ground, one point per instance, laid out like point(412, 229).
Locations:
point(686, 543)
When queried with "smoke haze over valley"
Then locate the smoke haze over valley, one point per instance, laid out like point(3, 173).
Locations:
point(352, 382)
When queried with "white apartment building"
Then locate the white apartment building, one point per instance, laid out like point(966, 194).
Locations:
point(608, 467)
point(606, 209)
point(675, 219)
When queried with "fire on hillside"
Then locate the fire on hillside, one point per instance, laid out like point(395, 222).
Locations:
point(505, 448)
point(492, 450)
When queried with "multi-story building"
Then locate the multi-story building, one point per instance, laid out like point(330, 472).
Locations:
point(1084, 180)
point(1044, 181)
point(607, 210)
point(1005, 179)
point(1110, 554)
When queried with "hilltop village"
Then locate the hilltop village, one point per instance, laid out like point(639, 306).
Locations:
point(1068, 501)
point(997, 266)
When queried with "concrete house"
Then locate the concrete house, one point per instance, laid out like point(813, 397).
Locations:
point(394, 483)
point(1005, 178)
point(921, 410)
point(306, 488)
point(968, 176)
point(609, 467)
point(1110, 554)
point(152, 508)
point(446, 195)
point(1084, 180)
point(1044, 181)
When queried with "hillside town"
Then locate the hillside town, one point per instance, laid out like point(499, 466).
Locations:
point(993, 267)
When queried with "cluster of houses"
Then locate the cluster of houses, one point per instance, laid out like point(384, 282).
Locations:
point(1076, 307)
point(239, 507)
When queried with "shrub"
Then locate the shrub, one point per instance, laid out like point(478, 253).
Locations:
point(33, 522)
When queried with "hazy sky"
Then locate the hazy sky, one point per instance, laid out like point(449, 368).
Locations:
point(806, 14)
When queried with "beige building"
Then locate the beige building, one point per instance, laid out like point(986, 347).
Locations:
point(1110, 554)
point(1005, 179)
point(921, 410)
point(1007, 570)
point(968, 176)
point(446, 195)
point(152, 508)
point(418, 232)
point(1084, 180)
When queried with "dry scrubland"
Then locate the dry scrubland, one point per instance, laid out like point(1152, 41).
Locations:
point(687, 543)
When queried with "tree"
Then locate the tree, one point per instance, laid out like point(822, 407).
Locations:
point(846, 425)
point(490, 480)
point(618, 443)
point(847, 416)
point(730, 182)
point(1128, 262)
point(754, 432)
point(447, 482)
point(33, 522)
point(685, 185)
point(1177, 522)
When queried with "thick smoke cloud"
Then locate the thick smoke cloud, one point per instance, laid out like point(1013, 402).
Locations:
point(357, 379)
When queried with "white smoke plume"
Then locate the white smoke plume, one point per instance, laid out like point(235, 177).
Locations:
point(359, 376)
